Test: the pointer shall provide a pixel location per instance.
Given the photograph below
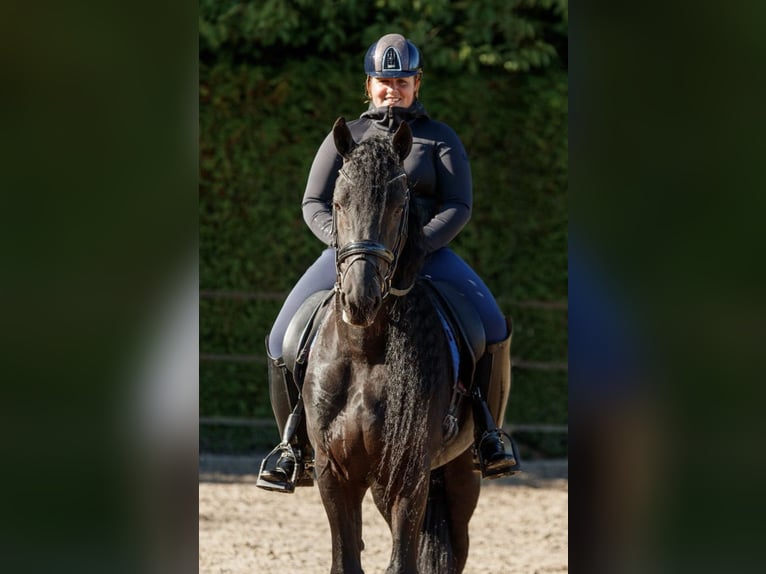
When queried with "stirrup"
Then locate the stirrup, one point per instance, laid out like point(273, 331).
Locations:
point(289, 485)
point(507, 470)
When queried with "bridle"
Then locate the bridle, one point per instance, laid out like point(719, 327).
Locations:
point(369, 250)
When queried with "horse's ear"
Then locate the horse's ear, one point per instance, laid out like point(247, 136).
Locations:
point(403, 140)
point(344, 143)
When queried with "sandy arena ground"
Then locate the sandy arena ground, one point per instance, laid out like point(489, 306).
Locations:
point(520, 524)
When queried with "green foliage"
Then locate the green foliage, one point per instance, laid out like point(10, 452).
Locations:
point(461, 35)
point(226, 324)
point(537, 445)
point(538, 397)
point(237, 440)
point(539, 335)
point(232, 389)
point(273, 78)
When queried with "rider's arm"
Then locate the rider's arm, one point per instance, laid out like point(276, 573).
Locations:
point(455, 191)
point(317, 199)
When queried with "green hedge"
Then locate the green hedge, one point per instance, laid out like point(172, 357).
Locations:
point(261, 121)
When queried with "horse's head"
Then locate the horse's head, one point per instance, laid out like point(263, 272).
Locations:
point(370, 213)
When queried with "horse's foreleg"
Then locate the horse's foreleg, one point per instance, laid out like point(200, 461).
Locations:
point(342, 501)
point(406, 516)
point(462, 487)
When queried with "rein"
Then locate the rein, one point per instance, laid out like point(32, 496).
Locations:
point(366, 248)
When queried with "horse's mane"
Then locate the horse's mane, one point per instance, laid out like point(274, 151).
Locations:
point(413, 254)
point(418, 363)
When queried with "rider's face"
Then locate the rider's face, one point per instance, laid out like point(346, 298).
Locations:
point(397, 92)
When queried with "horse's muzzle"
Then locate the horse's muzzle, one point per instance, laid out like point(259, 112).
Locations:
point(360, 295)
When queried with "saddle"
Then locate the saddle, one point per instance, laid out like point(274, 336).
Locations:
point(462, 324)
point(462, 321)
point(301, 331)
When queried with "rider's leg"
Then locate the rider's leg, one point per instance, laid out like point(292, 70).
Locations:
point(493, 371)
point(490, 395)
point(321, 275)
point(445, 265)
point(284, 396)
point(283, 392)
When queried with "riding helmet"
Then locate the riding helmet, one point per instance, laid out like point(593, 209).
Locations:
point(392, 56)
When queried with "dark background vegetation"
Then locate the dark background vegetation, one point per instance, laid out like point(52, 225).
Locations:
point(273, 78)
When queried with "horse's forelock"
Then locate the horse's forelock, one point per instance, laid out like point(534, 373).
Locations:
point(368, 168)
point(373, 160)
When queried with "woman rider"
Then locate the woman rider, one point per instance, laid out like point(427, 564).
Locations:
point(440, 175)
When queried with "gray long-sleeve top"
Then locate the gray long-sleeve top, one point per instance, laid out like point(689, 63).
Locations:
point(437, 168)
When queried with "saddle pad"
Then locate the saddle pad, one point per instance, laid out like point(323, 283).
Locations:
point(453, 348)
point(464, 316)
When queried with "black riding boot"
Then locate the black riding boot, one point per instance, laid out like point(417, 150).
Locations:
point(284, 466)
point(492, 385)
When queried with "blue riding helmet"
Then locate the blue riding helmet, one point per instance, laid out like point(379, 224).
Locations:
point(392, 56)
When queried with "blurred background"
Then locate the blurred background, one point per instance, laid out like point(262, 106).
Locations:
point(102, 148)
point(274, 76)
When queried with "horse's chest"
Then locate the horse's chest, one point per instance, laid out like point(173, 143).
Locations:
point(349, 409)
point(364, 397)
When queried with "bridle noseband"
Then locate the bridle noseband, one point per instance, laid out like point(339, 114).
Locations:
point(366, 249)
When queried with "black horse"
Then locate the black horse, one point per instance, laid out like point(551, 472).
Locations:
point(380, 377)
